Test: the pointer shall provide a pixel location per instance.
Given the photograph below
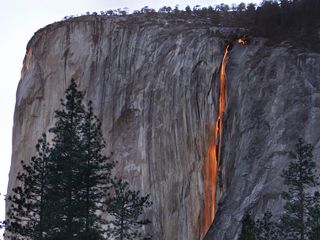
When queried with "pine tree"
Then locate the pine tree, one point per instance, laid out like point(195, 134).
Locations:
point(96, 170)
point(2, 224)
point(266, 229)
point(126, 207)
point(61, 192)
point(67, 152)
point(314, 220)
point(27, 216)
point(248, 230)
point(299, 177)
point(82, 173)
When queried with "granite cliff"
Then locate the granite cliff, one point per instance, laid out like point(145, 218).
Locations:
point(154, 84)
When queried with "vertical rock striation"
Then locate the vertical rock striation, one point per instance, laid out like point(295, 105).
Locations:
point(151, 85)
point(154, 84)
point(273, 99)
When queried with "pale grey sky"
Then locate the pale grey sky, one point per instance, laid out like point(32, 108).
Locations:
point(19, 19)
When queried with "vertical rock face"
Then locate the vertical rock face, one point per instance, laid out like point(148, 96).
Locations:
point(154, 84)
point(273, 99)
point(151, 85)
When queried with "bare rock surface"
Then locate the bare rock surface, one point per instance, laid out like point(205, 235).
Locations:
point(153, 83)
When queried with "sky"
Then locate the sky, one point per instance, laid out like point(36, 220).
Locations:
point(19, 19)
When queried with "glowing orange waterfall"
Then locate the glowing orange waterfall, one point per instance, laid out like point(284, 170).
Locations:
point(212, 162)
point(210, 172)
point(214, 153)
point(222, 100)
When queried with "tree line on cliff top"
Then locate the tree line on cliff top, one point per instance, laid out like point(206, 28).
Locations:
point(301, 217)
point(68, 190)
point(297, 21)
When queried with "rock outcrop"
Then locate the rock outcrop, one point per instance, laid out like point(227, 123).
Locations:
point(154, 85)
point(151, 85)
point(273, 99)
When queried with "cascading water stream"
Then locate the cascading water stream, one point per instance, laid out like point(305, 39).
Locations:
point(222, 101)
point(213, 165)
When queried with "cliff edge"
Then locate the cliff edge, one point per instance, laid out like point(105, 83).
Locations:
point(154, 85)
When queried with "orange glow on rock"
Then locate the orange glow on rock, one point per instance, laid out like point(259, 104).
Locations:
point(26, 62)
point(242, 41)
point(222, 100)
point(214, 153)
point(210, 172)
point(212, 167)
point(29, 55)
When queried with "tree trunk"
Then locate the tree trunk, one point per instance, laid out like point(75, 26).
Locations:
point(88, 180)
point(301, 195)
point(121, 224)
